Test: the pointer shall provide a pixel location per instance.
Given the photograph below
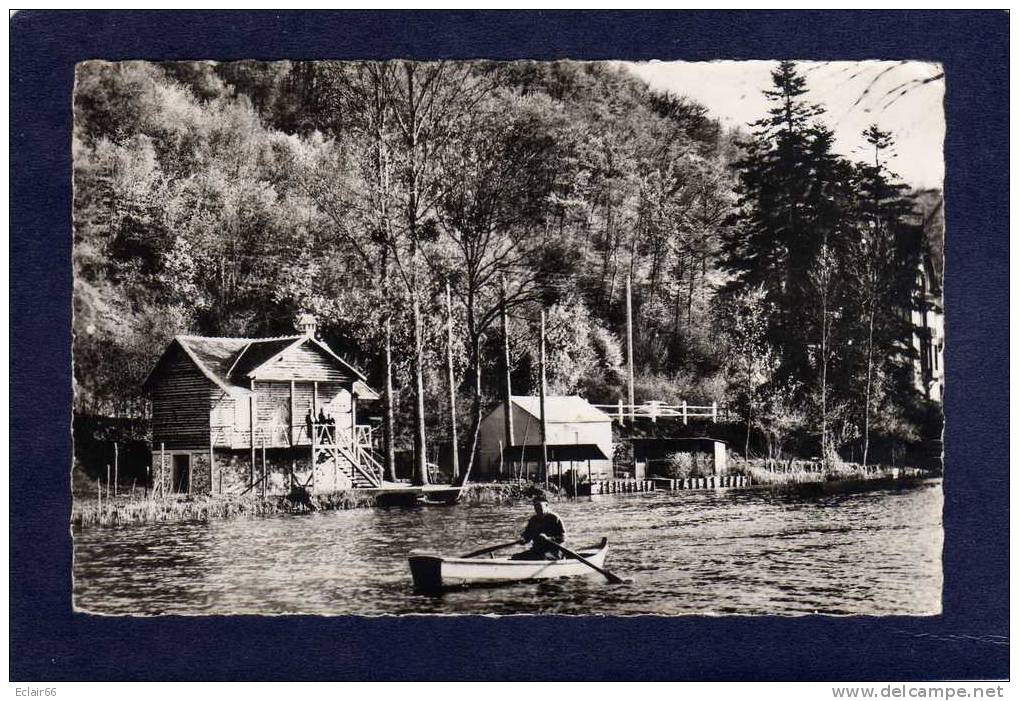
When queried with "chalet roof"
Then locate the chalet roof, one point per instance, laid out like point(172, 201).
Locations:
point(661, 448)
point(555, 452)
point(364, 391)
point(229, 362)
point(214, 356)
point(562, 410)
point(257, 353)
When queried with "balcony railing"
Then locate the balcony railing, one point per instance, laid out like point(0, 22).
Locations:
point(283, 436)
point(655, 410)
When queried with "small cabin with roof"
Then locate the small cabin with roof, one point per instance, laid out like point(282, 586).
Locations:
point(651, 456)
point(578, 435)
point(233, 415)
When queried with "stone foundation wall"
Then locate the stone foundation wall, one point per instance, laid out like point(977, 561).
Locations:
point(162, 471)
point(201, 479)
point(231, 472)
point(161, 474)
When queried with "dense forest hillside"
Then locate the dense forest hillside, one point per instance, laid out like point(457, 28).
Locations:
point(768, 273)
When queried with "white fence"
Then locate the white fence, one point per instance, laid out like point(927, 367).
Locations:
point(654, 410)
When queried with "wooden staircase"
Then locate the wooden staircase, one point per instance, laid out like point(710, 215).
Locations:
point(350, 452)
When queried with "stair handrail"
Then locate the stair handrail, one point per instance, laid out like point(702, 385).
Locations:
point(346, 443)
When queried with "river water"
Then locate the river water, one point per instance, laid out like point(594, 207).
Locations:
point(695, 552)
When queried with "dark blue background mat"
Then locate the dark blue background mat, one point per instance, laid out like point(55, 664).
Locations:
point(969, 640)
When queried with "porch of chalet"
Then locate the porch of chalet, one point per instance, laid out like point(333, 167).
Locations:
point(265, 413)
point(350, 449)
point(315, 420)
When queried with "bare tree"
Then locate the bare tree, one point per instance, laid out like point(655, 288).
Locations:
point(493, 216)
point(823, 279)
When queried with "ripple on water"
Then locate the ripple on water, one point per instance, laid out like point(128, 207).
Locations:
point(739, 552)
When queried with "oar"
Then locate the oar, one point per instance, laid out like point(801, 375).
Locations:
point(608, 575)
point(491, 549)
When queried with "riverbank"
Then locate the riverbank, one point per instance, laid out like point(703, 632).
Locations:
point(761, 474)
point(88, 511)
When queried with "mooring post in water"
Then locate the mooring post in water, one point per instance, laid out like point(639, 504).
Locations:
point(541, 398)
point(293, 415)
point(507, 389)
point(264, 467)
point(354, 445)
point(162, 467)
point(116, 469)
point(629, 347)
point(212, 467)
point(251, 435)
point(314, 436)
point(107, 481)
point(451, 381)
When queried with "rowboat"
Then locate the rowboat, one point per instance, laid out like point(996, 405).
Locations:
point(432, 572)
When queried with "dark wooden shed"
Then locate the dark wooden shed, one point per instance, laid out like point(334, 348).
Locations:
point(647, 452)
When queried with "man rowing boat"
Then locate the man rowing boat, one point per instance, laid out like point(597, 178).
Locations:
point(543, 523)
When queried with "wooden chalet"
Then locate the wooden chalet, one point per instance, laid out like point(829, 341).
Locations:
point(577, 433)
point(236, 415)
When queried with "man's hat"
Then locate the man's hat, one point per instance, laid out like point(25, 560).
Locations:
point(539, 499)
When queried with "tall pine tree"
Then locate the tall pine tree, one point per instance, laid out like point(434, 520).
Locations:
point(778, 229)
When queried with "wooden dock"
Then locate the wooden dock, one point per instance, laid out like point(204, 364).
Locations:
point(399, 494)
point(712, 482)
point(620, 486)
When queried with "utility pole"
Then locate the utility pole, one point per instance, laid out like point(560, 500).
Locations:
point(420, 476)
point(387, 400)
point(452, 382)
point(541, 402)
point(629, 346)
point(507, 383)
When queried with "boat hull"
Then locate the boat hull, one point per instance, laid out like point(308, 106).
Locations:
point(435, 572)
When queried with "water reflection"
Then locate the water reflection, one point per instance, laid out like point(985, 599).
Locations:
point(746, 552)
